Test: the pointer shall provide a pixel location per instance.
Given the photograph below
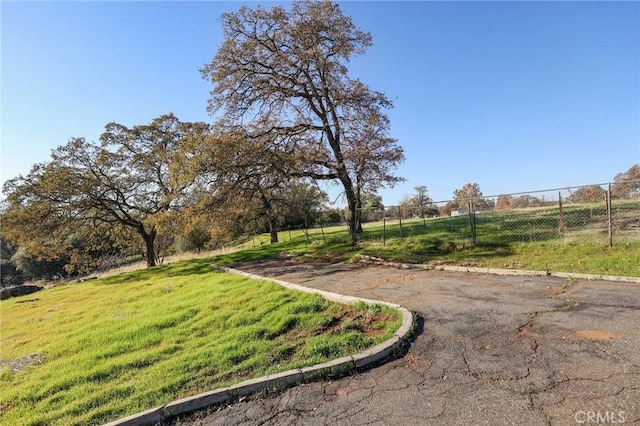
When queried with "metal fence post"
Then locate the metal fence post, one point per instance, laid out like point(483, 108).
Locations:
point(609, 221)
point(472, 222)
point(561, 227)
point(384, 227)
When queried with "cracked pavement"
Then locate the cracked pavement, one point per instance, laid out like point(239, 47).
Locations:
point(489, 350)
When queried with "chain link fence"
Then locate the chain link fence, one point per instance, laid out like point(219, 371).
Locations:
point(594, 213)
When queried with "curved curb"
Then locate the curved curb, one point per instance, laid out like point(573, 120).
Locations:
point(285, 378)
point(498, 271)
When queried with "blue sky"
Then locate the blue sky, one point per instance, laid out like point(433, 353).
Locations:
point(515, 96)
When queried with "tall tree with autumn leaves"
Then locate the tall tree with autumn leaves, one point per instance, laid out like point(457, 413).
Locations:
point(284, 71)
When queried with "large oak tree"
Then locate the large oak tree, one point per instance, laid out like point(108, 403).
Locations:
point(130, 179)
point(284, 71)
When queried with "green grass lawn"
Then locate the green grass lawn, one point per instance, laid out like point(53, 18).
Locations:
point(92, 352)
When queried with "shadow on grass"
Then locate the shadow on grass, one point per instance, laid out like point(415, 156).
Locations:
point(253, 254)
point(182, 268)
point(336, 249)
point(439, 250)
point(420, 245)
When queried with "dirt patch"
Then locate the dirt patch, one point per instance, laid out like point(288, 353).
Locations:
point(345, 318)
point(555, 290)
point(22, 363)
point(595, 335)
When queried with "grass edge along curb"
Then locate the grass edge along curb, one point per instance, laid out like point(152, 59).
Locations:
point(285, 378)
point(497, 271)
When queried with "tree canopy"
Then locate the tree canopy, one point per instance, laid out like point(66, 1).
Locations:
point(130, 179)
point(469, 193)
point(423, 203)
point(284, 71)
point(588, 194)
point(626, 185)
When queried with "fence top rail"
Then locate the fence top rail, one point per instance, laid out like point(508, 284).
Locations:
point(566, 188)
point(539, 191)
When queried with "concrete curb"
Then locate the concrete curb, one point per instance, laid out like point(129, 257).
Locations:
point(497, 271)
point(285, 378)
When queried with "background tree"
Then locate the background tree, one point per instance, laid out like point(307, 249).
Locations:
point(247, 176)
point(484, 204)
point(407, 208)
point(504, 202)
point(285, 72)
point(394, 211)
point(129, 180)
point(468, 195)
point(332, 216)
point(303, 204)
point(423, 202)
point(588, 194)
point(448, 208)
point(372, 207)
point(526, 201)
point(9, 273)
point(196, 235)
point(626, 185)
point(36, 230)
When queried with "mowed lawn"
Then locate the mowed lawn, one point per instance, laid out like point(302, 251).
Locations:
point(92, 352)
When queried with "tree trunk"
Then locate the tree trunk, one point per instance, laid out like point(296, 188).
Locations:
point(149, 238)
point(352, 203)
point(358, 210)
point(358, 213)
point(359, 225)
point(350, 190)
point(273, 231)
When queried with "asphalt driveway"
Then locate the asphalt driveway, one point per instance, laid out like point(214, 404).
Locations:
point(489, 350)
